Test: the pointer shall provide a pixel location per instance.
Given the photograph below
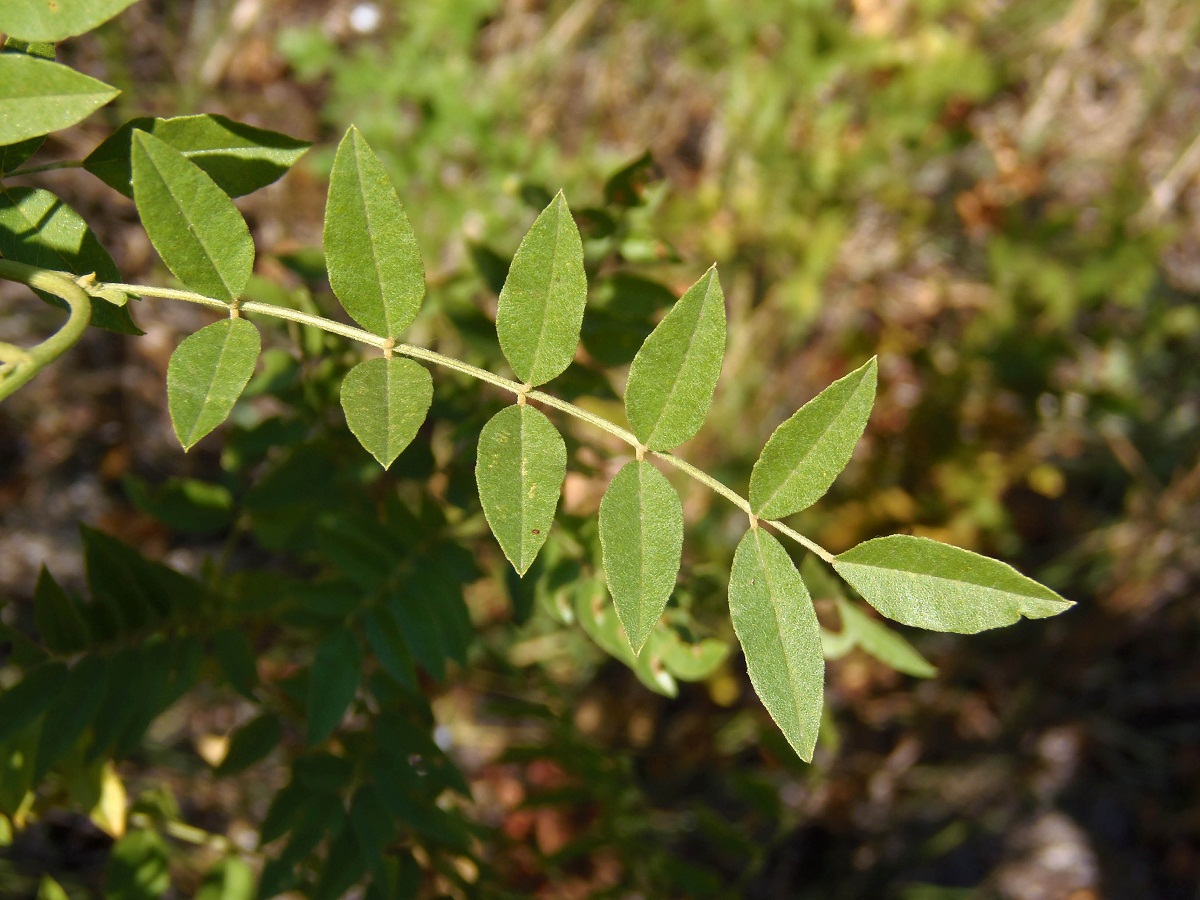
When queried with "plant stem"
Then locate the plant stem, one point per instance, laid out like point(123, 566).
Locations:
point(448, 362)
point(21, 367)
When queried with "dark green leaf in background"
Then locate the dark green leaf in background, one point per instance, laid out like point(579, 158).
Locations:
point(806, 453)
point(138, 868)
point(56, 20)
point(674, 374)
point(641, 536)
point(238, 157)
point(235, 655)
point(206, 375)
point(541, 306)
point(56, 614)
point(72, 712)
point(776, 624)
point(374, 262)
point(183, 504)
point(191, 222)
point(387, 643)
point(38, 96)
point(332, 683)
point(251, 743)
point(38, 229)
point(385, 402)
point(30, 697)
point(928, 584)
point(520, 468)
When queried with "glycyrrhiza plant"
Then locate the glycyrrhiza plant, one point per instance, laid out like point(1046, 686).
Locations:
point(182, 173)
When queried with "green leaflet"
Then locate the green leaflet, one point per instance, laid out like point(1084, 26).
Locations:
point(385, 402)
point(374, 262)
point(30, 697)
point(673, 376)
point(238, 157)
point(38, 96)
point(56, 20)
point(641, 537)
point(598, 617)
point(881, 642)
point(332, 683)
point(66, 719)
point(138, 867)
point(206, 375)
point(250, 744)
point(921, 582)
point(691, 661)
point(57, 617)
point(541, 305)
point(38, 229)
point(520, 469)
point(806, 453)
point(191, 222)
point(229, 879)
point(776, 624)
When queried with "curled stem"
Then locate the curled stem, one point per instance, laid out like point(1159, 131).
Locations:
point(20, 366)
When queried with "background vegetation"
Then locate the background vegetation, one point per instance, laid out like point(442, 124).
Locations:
point(999, 198)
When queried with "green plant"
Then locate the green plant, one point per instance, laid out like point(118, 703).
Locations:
point(70, 711)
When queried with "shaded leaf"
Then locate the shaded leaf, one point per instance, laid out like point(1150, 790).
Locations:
point(191, 222)
point(598, 616)
point(138, 868)
point(374, 262)
point(38, 96)
point(238, 157)
point(808, 451)
point(928, 584)
point(30, 697)
point(674, 374)
point(626, 186)
point(332, 683)
point(691, 661)
point(520, 468)
point(385, 402)
point(641, 537)
point(38, 229)
point(183, 504)
point(235, 655)
point(251, 743)
point(56, 20)
point(387, 643)
point(776, 624)
point(541, 305)
point(372, 827)
point(72, 712)
point(881, 642)
point(56, 614)
point(206, 375)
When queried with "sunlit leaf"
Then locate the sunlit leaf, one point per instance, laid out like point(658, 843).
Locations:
point(776, 624)
point(385, 402)
point(38, 96)
point(641, 536)
point(374, 262)
point(238, 157)
point(191, 222)
point(806, 453)
point(229, 879)
point(928, 584)
point(674, 374)
point(206, 375)
point(520, 469)
point(541, 306)
point(138, 867)
point(56, 20)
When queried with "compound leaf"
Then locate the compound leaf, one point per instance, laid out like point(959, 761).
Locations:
point(928, 584)
point(374, 262)
point(238, 157)
point(806, 453)
point(520, 469)
point(674, 374)
point(385, 402)
point(56, 20)
point(38, 96)
point(641, 537)
point(332, 683)
point(541, 305)
point(206, 375)
point(191, 222)
point(775, 622)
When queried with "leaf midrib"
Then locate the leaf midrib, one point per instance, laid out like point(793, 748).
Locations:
point(787, 662)
point(957, 581)
point(371, 244)
point(553, 267)
point(208, 393)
